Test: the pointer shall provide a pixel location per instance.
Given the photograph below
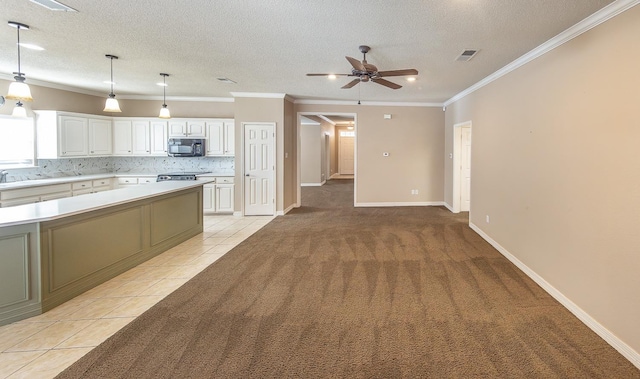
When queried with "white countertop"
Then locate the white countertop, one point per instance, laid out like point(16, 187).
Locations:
point(80, 178)
point(54, 209)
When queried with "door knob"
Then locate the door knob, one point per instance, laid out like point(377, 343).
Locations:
point(247, 175)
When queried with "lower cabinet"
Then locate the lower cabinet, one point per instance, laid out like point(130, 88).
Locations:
point(219, 197)
point(10, 198)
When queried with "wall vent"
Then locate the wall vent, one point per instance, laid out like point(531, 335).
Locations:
point(54, 5)
point(466, 55)
point(226, 80)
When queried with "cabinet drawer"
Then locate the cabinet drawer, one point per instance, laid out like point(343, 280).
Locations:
point(126, 181)
point(228, 180)
point(101, 182)
point(81, 185)
point(146, 180)
point(34, 191)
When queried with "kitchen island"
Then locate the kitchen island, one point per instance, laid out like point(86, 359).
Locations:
point(53, 251)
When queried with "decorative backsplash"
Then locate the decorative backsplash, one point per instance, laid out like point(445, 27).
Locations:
point(55, 168)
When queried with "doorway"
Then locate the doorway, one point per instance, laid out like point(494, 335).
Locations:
point(259, 169)
point(461, 167)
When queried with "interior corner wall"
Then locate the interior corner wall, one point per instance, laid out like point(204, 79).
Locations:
point(556, 166)
point(290, 179)
point(310, 154)
point(414, 139)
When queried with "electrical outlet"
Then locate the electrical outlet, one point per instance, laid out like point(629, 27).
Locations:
point(487, 219)
point(414, 191)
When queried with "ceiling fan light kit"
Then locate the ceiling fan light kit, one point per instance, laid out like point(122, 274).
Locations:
point(364, 72)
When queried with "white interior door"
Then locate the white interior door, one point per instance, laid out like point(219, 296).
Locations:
point(259, 169)
point(345, 153)
point(465, 170)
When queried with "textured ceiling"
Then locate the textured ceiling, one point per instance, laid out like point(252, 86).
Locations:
point(269, 45)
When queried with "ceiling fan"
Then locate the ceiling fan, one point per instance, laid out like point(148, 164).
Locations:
point(365, 72)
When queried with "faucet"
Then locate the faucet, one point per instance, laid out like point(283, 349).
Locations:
point(3, 176)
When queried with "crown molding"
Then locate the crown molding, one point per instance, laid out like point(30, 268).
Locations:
point(367, 103)
point(606, 13)
point(179, 98)
point(259, 95)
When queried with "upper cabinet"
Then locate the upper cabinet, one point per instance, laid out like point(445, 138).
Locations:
point(139, 137)
point(187, 128)
point(67, 135)
point(220, 137)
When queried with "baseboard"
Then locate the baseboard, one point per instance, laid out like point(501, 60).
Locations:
point(287, 210)
point(402, 204)
point(624, 349)
point(311, 184)
point(449, 207)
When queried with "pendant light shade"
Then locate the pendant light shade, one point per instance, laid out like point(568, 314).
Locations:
point(111, 104)
point(164, 111)
point(19, 111)
point(19, 90)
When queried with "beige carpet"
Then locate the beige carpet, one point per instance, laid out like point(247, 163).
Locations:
point(329, 291)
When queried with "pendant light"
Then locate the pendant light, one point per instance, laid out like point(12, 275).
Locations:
point(19, 90)
point(112, 104)
point(19, 111)
point(164, 111)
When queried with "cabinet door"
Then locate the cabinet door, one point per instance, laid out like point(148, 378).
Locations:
point(122, 140)
point(177, 128)
point(73, 136)
point(229, 138)
point(158, 138)
point(215, 138)
point(100, 137)
point(208, 197)
point(195, 128)
point(224, 198)
point(140, 132)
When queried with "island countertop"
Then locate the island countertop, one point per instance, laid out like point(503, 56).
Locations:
point(54, 209)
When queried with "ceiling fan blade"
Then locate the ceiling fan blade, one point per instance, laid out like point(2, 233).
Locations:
point(328, 74)
point(387, 83)
point(409, 71)
point(351, 83)
point(356, 64)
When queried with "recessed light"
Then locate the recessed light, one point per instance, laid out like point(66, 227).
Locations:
point(411, 79)
point(31, 46)
point(331, 76)
point(109, 82)
point(163, 84)
point(54, 5)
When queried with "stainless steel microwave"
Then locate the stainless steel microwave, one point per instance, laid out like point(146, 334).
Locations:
point(185, 147)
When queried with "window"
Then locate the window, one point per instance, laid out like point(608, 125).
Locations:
point(347, 134)
point(17, 148)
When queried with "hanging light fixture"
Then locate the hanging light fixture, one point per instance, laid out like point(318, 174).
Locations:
point(164, 111)
point(19, 90)
point(112, 104)
point(19, 111)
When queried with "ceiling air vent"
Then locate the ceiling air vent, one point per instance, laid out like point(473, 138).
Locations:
point(226, 80)
point(54, 5)
point(467, 55)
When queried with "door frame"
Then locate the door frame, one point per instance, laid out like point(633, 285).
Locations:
point(457, 157)
point(273, 157)
point(355, 151)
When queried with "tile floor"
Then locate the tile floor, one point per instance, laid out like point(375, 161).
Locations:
point(44, 345)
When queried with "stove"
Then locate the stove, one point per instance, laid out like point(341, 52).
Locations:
point(179, 176)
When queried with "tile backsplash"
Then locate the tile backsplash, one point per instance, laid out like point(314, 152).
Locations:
point(54, 168)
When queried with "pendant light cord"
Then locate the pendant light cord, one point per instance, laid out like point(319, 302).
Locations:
point(111, 58)
point(19, 70)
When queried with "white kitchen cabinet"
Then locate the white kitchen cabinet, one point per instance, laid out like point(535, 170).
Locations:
point(73, 136)
point(187, 128)
point(158, 138)
point(30, 195)
point(218, 197)
point(69, 135)
point(140, 138)
point(220, 138)
point(100, 137)
point(224, 198)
